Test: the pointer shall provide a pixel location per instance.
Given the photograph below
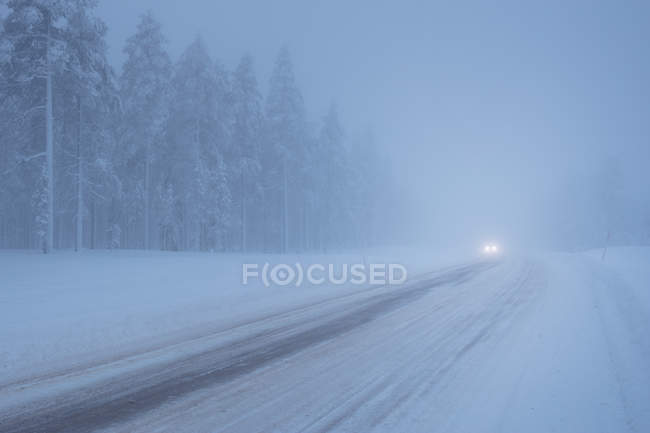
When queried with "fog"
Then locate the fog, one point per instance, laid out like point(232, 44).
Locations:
point(510, 123)
point(324, 216)
point(489, 113)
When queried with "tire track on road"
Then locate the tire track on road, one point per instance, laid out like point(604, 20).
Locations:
point(126, 397)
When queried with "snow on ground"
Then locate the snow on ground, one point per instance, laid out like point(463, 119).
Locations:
point(631, 265)
point(550, 343)
point(65, 311)
point(547, 343)
point(581, 359)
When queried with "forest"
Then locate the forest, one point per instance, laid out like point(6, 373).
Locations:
point(172, 154)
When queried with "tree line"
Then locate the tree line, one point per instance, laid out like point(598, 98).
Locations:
point(183, 155)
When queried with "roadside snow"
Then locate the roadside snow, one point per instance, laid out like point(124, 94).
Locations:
point(551, 343)
point(66, 311)
point(631, 265)
point(580, 362)
point(555, 342)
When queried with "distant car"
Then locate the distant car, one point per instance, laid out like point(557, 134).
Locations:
point(491, 249)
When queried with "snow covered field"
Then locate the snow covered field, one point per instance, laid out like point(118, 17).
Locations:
point(65, 311)
point(547, 342)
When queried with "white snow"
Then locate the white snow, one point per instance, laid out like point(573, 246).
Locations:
point(552, 342)
point(65, 310)
point(580, 360)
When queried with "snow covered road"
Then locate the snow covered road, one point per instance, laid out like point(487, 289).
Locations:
point(543, 344)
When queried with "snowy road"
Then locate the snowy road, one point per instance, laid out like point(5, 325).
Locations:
point(513, 345)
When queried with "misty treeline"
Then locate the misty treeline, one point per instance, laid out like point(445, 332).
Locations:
point(601, 207)
point(182, 155)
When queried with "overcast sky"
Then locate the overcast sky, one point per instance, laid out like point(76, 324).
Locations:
point(490, 105)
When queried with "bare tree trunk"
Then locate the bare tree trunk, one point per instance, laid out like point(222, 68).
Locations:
point(80, 204)
point(93, 224)
point(146, 197)
point(305, 227)
point(285, 208)
point(49, 150)
point(328, 206)
point(243, 211)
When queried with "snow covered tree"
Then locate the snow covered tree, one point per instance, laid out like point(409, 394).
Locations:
point(46, 40)
point(89, 79)
point(331, 160)
point(31, 42)
point(88, 160)
point(246, 142)
point(284, 151)
point(192, 166)
point(144, 87)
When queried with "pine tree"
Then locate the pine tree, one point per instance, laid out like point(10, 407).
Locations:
point(144, 85)
point(246, 142)
point(187, 148)
point(284, 152)
point(87, 76)
point(45, 40)
point(197, 136)
point(331, 162)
